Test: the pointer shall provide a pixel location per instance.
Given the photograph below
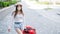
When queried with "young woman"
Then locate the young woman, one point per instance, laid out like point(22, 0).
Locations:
point(18, 19)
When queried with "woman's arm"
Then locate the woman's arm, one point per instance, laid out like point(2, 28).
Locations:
point(13, 13)
point(10, 21)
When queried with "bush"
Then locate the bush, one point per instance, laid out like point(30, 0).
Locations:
point(0, 4)
point(6, 4)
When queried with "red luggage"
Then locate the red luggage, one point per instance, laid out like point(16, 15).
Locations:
point(29, 30)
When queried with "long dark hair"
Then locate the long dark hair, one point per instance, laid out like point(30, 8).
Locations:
point(16, 11)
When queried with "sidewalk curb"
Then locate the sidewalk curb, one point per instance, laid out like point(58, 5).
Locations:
point(5, 8)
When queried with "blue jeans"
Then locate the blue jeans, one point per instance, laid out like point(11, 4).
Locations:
point(18, 25)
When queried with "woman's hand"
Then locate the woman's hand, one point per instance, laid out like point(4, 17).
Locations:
point(9, 30)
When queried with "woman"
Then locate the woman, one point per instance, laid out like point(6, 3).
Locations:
point(18, 19)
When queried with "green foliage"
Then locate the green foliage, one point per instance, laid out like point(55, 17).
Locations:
point(13, 2)
point(6, 4)
point(0, 4)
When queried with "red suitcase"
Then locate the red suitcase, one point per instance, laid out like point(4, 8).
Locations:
point(29, 30)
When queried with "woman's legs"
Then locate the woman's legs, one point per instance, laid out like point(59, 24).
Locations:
point(18, 31)
point(18, 27)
